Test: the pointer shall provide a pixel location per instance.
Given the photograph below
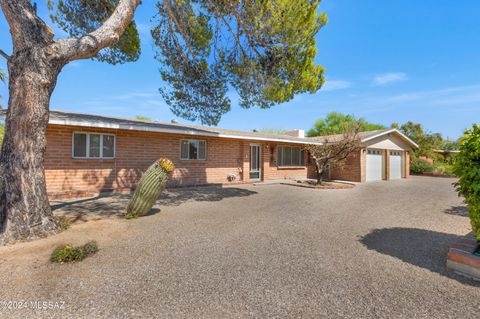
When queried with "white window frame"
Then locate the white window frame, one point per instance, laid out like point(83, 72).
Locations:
point(87, 157)
point(291, 165)
point(198, 145)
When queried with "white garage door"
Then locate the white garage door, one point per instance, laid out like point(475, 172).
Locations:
point(374, 165)
point(395, 164)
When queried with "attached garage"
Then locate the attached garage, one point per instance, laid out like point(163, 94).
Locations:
point(374, 165)
point(385, 155)
point(396, 165)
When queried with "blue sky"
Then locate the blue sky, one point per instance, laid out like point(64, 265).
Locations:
point(387, 61)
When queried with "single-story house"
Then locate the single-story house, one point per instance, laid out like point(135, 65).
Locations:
point(91, 154)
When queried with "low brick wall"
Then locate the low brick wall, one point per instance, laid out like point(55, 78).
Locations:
point(461, 258)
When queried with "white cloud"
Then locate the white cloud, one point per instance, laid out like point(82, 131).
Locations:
point(336, 85)
point(387, 78)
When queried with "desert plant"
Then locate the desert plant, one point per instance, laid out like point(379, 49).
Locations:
point(64, 223)
point(419, 166)
point(149, 188)
point(69, 253)
point(90, 248)
point(467, 168)
point(335, 149)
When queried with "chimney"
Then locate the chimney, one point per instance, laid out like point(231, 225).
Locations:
point(296, 133)
point(174, 121)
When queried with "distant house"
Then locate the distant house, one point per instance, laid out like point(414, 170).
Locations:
point(447, 154)
point(91, 154)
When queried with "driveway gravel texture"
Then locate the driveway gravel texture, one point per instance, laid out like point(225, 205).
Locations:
point(271, 251)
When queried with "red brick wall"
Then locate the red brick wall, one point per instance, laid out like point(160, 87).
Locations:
point(353, 168)
point(136, 150)
point(271, 169)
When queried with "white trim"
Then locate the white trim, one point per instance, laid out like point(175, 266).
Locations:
point(260, 162)
point(184, 131)
point(393, 130)
point(87, 144)
point(198, 142)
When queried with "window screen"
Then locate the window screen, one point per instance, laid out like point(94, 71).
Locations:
point(193, 149)
point(86, 145)
point(291, 156)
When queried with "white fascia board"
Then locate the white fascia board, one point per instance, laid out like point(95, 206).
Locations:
point(172, 131)
point(393, 130)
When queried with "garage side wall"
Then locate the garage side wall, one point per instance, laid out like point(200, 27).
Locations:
point(351, 170)
point(407, 164)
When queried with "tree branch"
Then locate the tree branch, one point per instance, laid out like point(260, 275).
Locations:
point(25, 26)
point(88, 45)
point(6, 56)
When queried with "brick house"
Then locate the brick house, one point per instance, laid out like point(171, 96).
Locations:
point(89, 154)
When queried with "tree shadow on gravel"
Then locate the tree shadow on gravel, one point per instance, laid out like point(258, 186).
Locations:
point(113, 206)
point(177, 196)
point(423, 248)
point(457, 210)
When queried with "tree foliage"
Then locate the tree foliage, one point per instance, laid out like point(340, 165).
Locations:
point(334, 151)
point(335, 123)
point(265, 50)
point(143, 118)
point(79, 17)
point(467, 168)
point(427, 142)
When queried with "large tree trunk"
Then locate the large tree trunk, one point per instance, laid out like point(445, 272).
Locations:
point(319, 169)
point(24, 208)
point(33, 70)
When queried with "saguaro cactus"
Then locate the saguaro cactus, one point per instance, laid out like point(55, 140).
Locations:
point(149, 188)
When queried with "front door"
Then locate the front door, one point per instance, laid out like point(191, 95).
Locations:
point(255, 163)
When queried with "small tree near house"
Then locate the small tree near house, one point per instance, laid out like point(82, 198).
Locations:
point(334, 150)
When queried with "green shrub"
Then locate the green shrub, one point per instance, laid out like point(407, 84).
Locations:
point(69, 253)
point(467, 168)
point(90, 248)
point(442, 168)
point(64, 223)
point(418, 167)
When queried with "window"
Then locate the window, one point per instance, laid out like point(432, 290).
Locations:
point(374, 152)
point(193, 150)
point(395, 153)
point(291, 156)
point(90, 145)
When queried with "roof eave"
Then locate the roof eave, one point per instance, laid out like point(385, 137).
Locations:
point(393, 130)
point(146, 128)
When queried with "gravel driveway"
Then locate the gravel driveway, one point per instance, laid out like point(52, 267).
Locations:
point(375, 251)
